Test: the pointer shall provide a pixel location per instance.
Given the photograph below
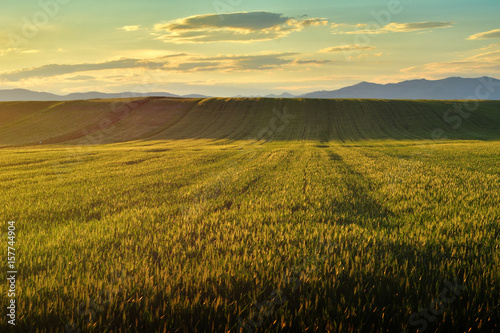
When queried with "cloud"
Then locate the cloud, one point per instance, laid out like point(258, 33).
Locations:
point(336, 25)
point(129, 28)
point(316, 22)
point(252, 21)
point(175, 63)
point(80, 78)
point(176, 55)
point(238, 63)
point(9, 50)
point(197, 66)
point(264, 62)
point(346, 47)
point(17, 50)
point(406, 27)
point(30, 51)
point(232, 27)
point(311, 62)
point(254, 62)
point(486, 35)
point(494, 46)
point(55, 69)
point(364, 55)
point(485, 62)
point(398, 27)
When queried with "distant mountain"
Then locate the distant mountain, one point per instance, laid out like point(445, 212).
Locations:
point(195, 96)
point(248, 96)
point(450, 88)
point(283, 95)
point(98, 95)
point(28, 95)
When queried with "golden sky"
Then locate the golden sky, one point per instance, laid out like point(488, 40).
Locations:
point(231, 47)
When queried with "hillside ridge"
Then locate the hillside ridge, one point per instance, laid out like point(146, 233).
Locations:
point(261, 119)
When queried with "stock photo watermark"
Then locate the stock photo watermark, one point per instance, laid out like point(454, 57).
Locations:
point(92, 137)
point(276, 125)
point(463, 110)
point(450, 293)
point(454, 118)
point(11, 273)
point(381, 18)
point(32, 24)
point(225, 6)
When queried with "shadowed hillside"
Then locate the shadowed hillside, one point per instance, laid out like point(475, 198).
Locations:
point(119, 120)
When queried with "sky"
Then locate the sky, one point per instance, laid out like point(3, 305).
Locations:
point(242, 47)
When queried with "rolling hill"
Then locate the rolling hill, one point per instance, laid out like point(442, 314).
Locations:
point(153, 118)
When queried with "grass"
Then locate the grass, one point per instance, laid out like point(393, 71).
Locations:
point(159, 119)
point(193, 228)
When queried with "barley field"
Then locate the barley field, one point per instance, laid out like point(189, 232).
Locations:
point(252, 215)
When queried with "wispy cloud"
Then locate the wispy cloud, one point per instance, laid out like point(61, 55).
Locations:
point(17, 50)
point(182, 63)
point(398, 27)
point(310, 62)
point(255, 62)
point(494, 46)
point(56, 69)
point(486, 35)
point(30, 51)
point(346, 47)
point(242, 27)
point(406, 27)
point(485, 62)
point(129, 28)
point(7, 51)
point(365, 55)
point(80, 78)
point(253, 21)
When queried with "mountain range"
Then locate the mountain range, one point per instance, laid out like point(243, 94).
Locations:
point(450, 88)
point(446, 89)
point(28, 95)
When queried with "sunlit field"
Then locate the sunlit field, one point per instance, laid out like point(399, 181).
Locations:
point(233, 215)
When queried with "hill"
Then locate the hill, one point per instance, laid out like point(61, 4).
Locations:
point(120, 120)
point(452, 88)
point(449, 89)
point(9, 95)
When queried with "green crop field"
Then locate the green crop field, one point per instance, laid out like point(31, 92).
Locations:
point(253, 215)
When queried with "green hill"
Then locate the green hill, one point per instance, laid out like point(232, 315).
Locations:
point(108, 121)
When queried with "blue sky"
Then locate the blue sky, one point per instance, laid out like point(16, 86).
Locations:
point(230, 47)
